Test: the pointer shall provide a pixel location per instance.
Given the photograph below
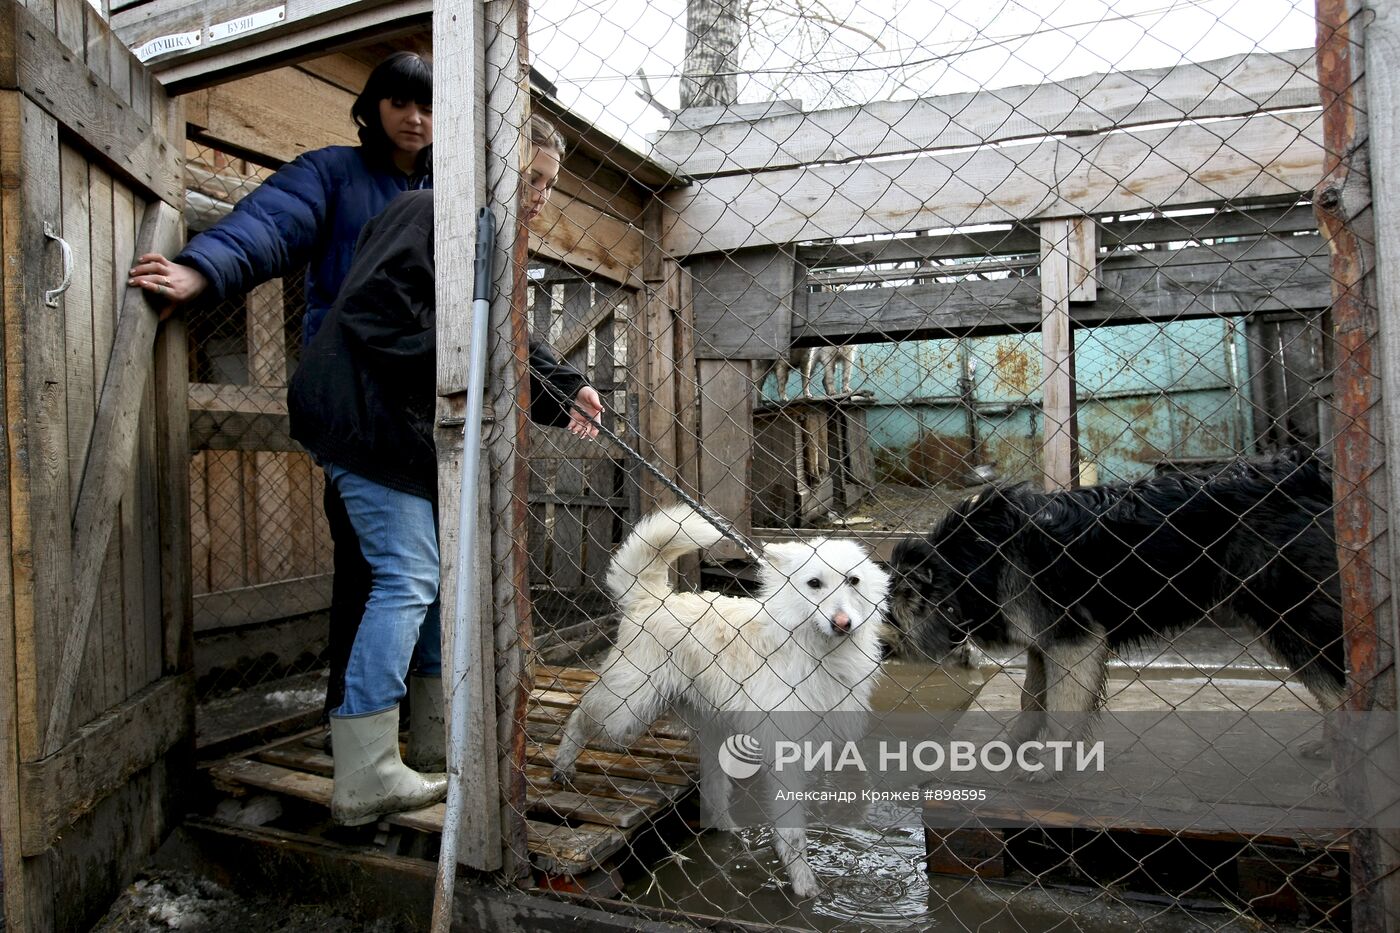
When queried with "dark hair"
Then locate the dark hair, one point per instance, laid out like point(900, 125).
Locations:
point(544, 135)
point(401, 76)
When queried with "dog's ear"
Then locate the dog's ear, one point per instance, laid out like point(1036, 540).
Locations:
point(911, 554)
point(786, 555)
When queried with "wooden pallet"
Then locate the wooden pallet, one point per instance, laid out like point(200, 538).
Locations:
point(574, 831)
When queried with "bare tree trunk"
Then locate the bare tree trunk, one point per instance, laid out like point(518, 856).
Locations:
point(711, 73)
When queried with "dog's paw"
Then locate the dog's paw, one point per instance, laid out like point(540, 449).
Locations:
point(804, 882)
point(563, 776)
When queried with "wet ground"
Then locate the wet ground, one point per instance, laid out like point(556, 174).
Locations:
point(872, 874)
point(165, 900)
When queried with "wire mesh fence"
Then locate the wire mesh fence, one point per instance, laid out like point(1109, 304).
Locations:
point(1052, 344)
point(1015, 342)
point(261, 550)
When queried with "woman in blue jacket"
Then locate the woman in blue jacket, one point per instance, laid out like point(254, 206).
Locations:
point(310, 213)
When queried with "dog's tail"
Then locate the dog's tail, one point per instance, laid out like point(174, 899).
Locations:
point(641, 567)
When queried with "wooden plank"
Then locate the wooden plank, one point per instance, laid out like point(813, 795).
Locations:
point(1023, 240)
point(125, 566)
point(548, 731)
point(147, 506)
point(200, 530)
point(639, 767)
point(601, 475)
point(97, 111)
point(101, 756)
point(1175, 285)
point(99, 50)
point(743, 304)
point(1082, 254)
point(278, 115)
point(69, 15)
point(567, 849)
point(79, 353)
point(303, 511)
point(1147, 169)
point(726, 424)
point(37, 401)
point(309, 29)
point(1226, 87)
point(109, 460)
point(263, 602)
point(27, 904)
point(1059, 444)
point(602, 187)
point(544, 796)
point(570, 231)
point(267, 339)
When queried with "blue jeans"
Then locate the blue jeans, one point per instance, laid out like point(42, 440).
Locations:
point(401, 625)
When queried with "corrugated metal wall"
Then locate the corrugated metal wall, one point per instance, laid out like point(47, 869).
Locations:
point(1148, 394)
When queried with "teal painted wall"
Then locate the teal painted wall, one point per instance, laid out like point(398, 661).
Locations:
point(1147, 392)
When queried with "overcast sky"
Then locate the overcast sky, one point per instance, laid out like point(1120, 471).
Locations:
point(843, 51)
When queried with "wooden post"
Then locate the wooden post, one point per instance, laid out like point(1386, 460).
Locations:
point(1356, 204)
point(460, 180)
point(1059, 445)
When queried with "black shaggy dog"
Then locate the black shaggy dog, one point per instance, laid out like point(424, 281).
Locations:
point(1071, 576)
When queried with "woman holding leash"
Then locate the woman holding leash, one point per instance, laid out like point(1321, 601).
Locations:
point(363, 402)
point(310, 213)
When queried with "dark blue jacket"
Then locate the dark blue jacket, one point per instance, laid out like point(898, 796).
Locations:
point(310, 211)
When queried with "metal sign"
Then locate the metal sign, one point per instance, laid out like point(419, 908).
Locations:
point(236, 27)
point(162, 44)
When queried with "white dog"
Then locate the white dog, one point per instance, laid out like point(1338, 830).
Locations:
point(809, 643)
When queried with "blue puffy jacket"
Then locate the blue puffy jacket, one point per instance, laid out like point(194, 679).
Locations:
point(310, 211)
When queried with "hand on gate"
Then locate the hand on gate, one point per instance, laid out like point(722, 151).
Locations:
point(175, 283)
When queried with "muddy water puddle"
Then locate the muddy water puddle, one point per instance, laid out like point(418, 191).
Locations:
point(872, 874)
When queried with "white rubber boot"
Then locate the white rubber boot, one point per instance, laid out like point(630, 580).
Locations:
point(371, 779)
point(427, 733)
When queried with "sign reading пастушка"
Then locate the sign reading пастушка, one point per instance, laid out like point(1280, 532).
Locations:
point(1233, 771)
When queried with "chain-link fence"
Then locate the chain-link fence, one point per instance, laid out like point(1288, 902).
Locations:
point(1038, 348)
point(1033, 307)
point(260, 546)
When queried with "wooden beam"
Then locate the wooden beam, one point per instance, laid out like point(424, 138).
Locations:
point(497, 805)
point(1226, 87)
point(265, 602)
point(278, 115)
point(308, 29)
point(132, 142)
point(726, 423)
point(570, 231)
point(1268, 155)
point(1021, 239)
point(109, 459)
point(127, 738)
point(743, 304)
point(1059, 443)
point(172, 377)
point(1158, 285)
point(459, 36)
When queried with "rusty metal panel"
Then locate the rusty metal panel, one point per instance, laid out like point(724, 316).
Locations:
point(1147, 393)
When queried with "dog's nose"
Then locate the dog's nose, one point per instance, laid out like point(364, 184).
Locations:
point(841, 622)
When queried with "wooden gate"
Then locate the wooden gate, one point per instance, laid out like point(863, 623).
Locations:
point(96, 700)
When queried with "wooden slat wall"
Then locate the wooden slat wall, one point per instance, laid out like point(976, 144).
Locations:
point(577, 506)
